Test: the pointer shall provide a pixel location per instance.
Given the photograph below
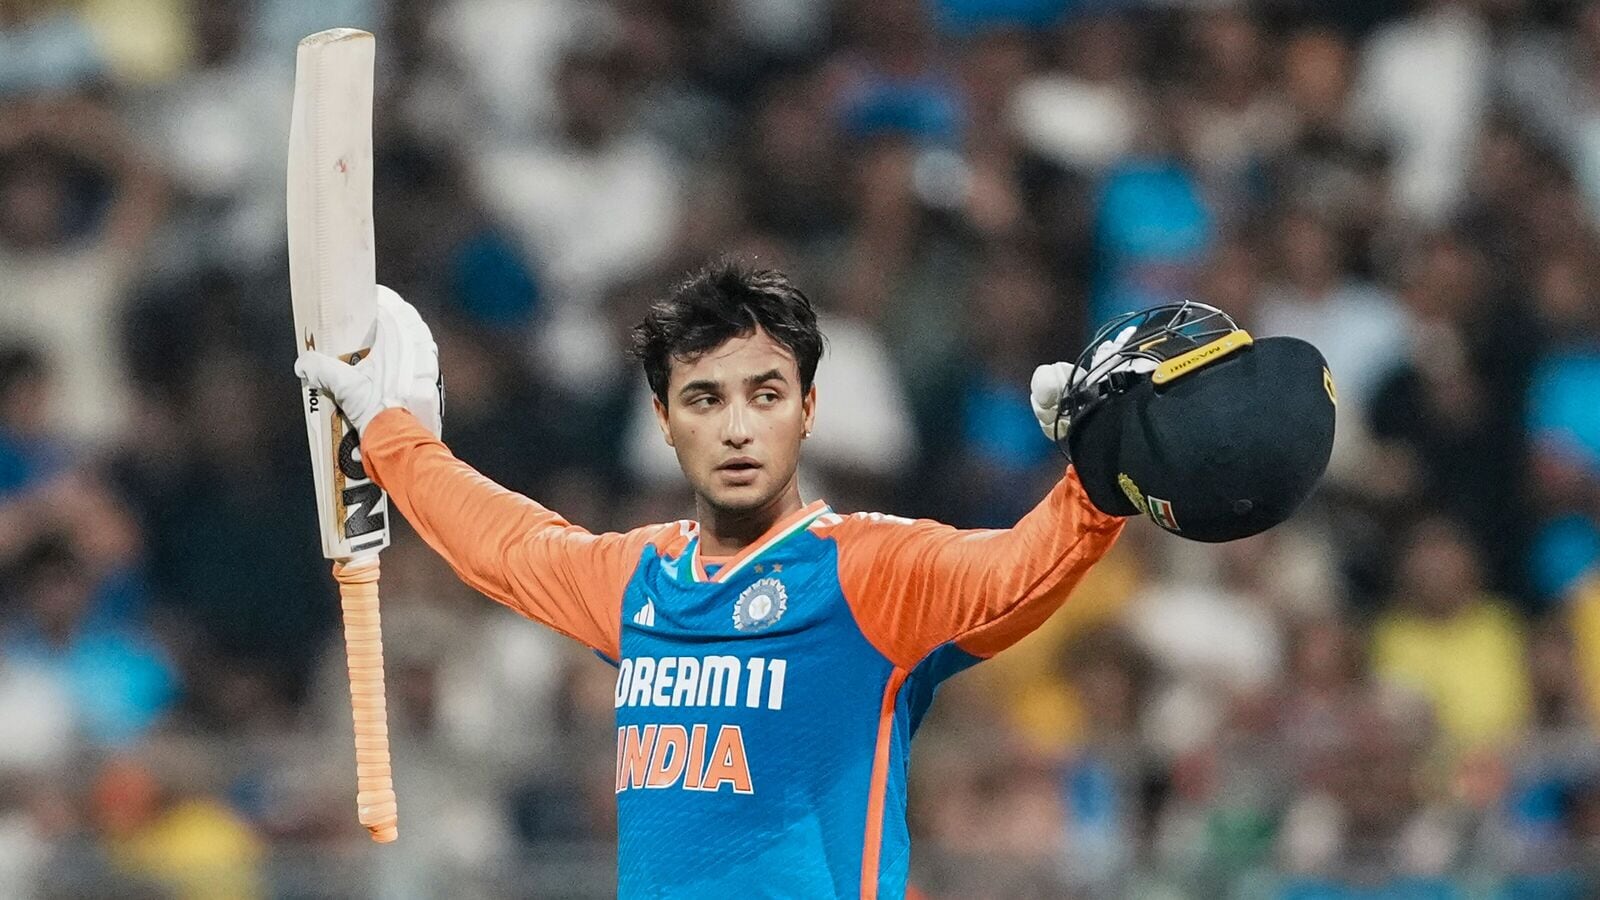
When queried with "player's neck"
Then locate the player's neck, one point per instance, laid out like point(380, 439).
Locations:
point(725, 532)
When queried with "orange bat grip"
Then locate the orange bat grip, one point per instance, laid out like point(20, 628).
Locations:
point(363, 643)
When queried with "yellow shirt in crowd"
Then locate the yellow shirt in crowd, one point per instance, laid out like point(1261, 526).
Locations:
point(1470, 666)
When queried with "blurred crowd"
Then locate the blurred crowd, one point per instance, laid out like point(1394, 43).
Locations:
point(1394, 695)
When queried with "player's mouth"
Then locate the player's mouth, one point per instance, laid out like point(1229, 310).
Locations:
point(739, 470)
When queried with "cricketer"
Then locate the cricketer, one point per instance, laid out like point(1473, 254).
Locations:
point(774, 657)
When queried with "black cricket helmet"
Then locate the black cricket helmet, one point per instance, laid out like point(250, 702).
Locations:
point(1215, 436)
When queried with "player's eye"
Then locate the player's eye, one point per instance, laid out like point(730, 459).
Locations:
point(704, 401)
point(767, 398)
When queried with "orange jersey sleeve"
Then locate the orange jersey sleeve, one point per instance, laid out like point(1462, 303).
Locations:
point(502, 543)
point(915, 585)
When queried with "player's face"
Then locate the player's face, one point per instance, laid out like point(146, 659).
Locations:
point(736, 416)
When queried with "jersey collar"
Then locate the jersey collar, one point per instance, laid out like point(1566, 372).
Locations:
point(785, 528)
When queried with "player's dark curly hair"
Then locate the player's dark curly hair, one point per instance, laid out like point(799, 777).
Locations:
point(724, 300)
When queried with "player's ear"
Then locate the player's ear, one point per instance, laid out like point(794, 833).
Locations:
point(661, 419)
point(808, 409)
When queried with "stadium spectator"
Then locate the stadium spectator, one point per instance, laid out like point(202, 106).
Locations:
point(183, 844)
point(1329, 165)
point(1447, 417)
point(1424, 86)
point(1360, 328)
point(1102, 784)
point(1083, 113)
point(1364, 819)
point(79, 200)
point(993, 475)
point(120, 680)
point(1237, 118)
point(1218, 639)
point(1551, 773)
point(596, 203)
point(216, 127)
point(1563, 425)
point(1153, 225)
point(1450, 641)
point(1548, 78)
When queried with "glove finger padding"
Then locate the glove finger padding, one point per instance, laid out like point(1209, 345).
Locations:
point(352, 388)
point(1046, 390)
point(411, 373)
point(317, 369)
point(405, 316)
point(1107, 348)
point(1102, 364)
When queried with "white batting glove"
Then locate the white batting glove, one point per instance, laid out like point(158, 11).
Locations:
point(1051, 383)
point(1048, 387)
point(402, 370)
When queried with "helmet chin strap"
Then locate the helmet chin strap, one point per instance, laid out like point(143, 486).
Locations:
point(1083, 401)
point(1086, 397)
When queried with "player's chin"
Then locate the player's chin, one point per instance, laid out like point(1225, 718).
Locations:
point(743, 497)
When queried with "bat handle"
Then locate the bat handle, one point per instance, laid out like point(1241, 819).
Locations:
point(363, 644)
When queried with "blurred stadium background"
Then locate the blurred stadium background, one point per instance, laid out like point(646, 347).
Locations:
point(1393, 696)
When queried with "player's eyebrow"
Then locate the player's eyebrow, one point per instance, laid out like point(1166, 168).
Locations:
point(703, 384)
point(713, 386)
point(764, 377)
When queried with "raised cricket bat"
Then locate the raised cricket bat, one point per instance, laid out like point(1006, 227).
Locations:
point(333, 281)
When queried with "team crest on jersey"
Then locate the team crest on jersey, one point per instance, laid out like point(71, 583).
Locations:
point(760, 605)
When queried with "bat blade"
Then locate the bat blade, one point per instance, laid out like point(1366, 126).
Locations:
point(332, 269)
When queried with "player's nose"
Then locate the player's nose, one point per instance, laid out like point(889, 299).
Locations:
point(736, 431)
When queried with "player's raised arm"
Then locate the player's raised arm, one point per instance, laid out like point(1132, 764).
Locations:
point(916, 585)
point(499, 542)
point(502, 543)
point(1178, 414)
